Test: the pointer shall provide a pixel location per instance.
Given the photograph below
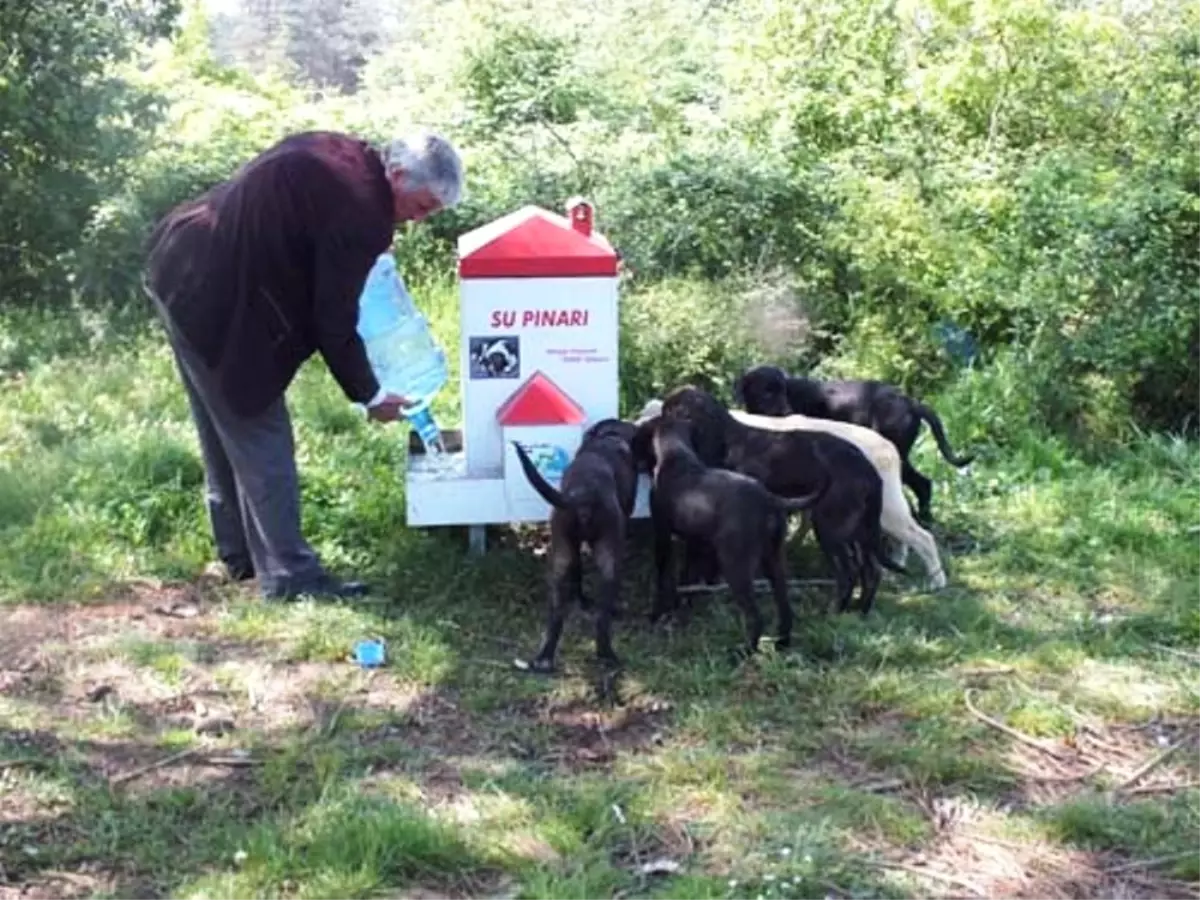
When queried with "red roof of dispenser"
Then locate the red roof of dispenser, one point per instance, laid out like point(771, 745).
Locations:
point(534, 243)
point(539, 401)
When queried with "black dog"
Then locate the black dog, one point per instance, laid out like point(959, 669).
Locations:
point(736, 516)
point(599, 488)
point(792, 464)
point(769, 391)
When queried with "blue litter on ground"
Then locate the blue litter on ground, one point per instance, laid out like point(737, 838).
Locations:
point(369, 654)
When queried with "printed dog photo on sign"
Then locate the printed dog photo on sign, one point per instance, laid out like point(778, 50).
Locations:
point(495, 357)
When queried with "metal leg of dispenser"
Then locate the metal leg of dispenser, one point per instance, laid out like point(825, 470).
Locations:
point(477, 539)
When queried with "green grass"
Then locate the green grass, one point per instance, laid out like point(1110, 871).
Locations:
point(451, 772)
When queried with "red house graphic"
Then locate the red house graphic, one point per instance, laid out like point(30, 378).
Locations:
point(548, 425)
point(539, 401)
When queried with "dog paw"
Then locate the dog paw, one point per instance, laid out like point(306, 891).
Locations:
point(608, 683)
point(938, 581)
point(538, 666)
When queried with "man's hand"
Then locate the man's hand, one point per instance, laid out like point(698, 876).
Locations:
point(388, 408)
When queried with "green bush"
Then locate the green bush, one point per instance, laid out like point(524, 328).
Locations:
point(713, 211)
point(681, 331)
point(1024, 173)
point(70, 122)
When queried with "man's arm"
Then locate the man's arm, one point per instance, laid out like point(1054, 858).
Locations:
point(341, 261)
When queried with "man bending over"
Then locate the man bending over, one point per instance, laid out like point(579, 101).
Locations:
point(253, 277)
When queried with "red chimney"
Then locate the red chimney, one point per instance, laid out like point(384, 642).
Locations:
point(579, 211)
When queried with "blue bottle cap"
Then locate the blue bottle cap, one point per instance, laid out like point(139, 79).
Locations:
point(369, 653)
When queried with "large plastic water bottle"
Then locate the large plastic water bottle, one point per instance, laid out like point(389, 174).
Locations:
point(405, 358)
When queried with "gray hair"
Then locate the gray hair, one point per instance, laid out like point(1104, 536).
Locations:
point(428, 161)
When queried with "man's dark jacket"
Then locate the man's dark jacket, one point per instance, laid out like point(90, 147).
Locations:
point(266, 268)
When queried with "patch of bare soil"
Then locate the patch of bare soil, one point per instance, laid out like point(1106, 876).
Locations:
point(580, 735)
point(64, 662)
point(442, 741)
point(481, 886)
point(1121, 762)
point(157, 608)
point(1130, 761)
point(587, 737)
point(965, 858)
point(57, 886)
point(84, 880)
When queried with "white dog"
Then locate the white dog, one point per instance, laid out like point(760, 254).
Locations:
point(896, 518)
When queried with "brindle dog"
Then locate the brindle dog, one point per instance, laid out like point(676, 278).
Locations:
point(846, 518)
point(595, 502)
point(735, 515)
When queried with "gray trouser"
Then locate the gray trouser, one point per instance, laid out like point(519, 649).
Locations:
point(251, 483)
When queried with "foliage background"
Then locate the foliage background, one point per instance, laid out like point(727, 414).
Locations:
point(852, 187)
point(991, 203)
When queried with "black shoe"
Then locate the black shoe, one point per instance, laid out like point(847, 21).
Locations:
point(239, 572)
point(326, 587)
point(227, 571)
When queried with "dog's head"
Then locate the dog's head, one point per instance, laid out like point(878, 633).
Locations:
point(658, 437)
point(617, 429)
point(763, 391)
point(672, 436)
point(709, 421)
point(807, 396)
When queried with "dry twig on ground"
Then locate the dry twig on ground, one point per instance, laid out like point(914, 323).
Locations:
point(1008, 729)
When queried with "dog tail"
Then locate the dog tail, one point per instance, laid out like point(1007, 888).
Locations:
point(803, 502)
point(539, 483)
point(939, 435)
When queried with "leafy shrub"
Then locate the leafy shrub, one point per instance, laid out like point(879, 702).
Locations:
point(521, 76)
point(681, 331)
point(220, 119)
point(71, 123)
point(711, 211)
point(1023, 173)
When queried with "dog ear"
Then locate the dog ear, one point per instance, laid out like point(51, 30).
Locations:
point(706, 416)
point(709, 442)
point(643, 444)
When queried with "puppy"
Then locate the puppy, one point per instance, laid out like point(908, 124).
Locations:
point(743, 523)
point(846, 517)
point(769, 391)
point(699, 563)
point(896, 517)
point(599, 488)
